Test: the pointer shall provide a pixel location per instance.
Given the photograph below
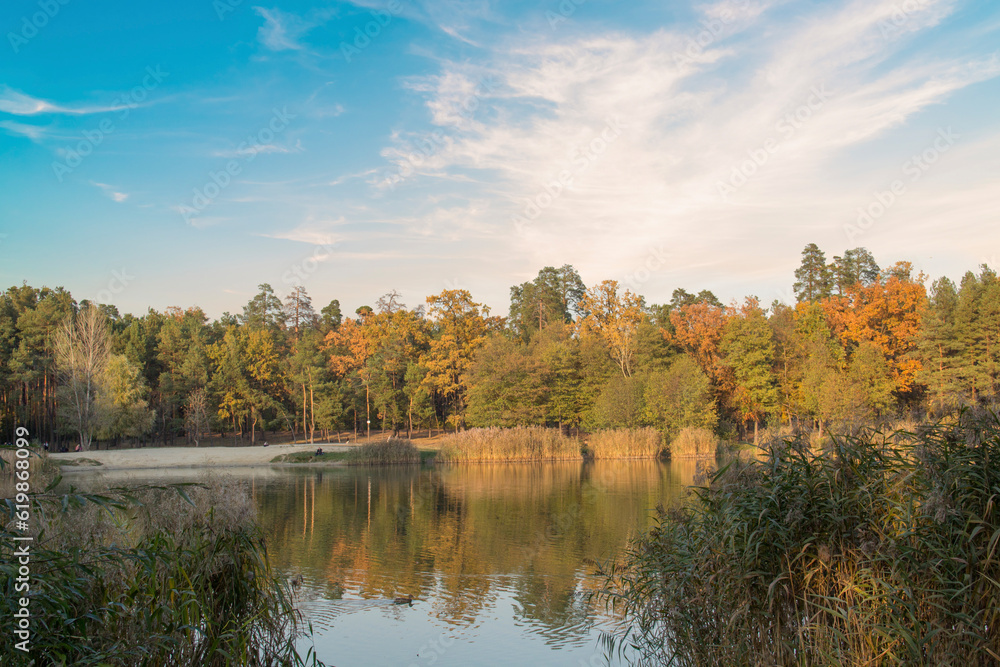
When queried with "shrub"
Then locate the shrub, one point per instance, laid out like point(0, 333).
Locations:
point(152, 576)
point(881, 551)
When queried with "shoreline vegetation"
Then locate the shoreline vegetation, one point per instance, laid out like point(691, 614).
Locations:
point(524, 444)
point(879, 548)
point(520, 444)
point(155, 575)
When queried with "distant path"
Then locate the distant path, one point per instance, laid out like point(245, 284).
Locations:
point(181, 457)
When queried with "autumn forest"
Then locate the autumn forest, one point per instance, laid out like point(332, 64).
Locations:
point(861, 344)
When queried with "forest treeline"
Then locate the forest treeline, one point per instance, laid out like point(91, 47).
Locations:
point(862, 343)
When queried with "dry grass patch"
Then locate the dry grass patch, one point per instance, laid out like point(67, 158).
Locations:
point(693, 443)
point(524, 443)
point(625, 443)
point(386, 452)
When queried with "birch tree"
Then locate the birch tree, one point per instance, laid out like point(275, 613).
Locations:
point(83, 349)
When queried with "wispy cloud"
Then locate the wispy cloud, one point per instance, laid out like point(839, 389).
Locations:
point(282, 31)
point(259, 149)
point(20, 104)
point(312, 231)
point(814, 87)
point(111, 191)
point(33, 132)
point(350, 177)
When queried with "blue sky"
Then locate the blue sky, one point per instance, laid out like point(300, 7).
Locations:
point(179, 154)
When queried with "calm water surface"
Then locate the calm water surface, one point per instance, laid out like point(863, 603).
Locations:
point(497, 557)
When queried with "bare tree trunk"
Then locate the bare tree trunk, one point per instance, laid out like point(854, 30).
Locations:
point(312, 412)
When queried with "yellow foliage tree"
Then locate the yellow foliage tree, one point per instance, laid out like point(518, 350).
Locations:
point(614, 319)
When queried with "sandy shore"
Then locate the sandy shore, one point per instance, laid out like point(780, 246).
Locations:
point(183, 457)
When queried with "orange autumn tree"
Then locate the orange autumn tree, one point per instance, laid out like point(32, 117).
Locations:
point(350, 346)
point(887, 314)
point(614, 319)
point(698, 329)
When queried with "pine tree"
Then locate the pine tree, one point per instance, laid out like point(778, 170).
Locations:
point(939, 347)
point(856, 266)
point(812, 278)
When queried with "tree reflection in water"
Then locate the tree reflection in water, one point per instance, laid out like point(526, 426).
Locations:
point(459, 538)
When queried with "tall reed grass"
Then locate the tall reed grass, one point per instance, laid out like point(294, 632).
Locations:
point(523, 443)
point(692, 443)
point(41, 470)
point(883, 550)
point(385, 452)
point(625, 443)
point(150, 576)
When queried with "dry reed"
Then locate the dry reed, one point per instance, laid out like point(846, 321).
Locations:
point(524, 443)
point(385, 452)
point(625, 443)
point(693, 442)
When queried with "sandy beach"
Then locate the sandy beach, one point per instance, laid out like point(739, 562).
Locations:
point(182, 457)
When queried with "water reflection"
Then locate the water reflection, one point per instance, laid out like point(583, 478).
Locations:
point(496, 556)
point(478, 546)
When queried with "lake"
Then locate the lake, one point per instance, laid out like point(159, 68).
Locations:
point(498, 557)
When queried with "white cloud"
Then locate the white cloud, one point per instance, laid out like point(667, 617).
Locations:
point(312, 231)
point(256, 149)
point(812, 87)
point(111, 191)
point(33, 132)
point(20, 104)
point(282, 31)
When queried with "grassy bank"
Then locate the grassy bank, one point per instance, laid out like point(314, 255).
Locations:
point(311, 457)
point(151, 576)
point(524, 443)
point(693, 443)
point(386, 452)
point(625, 443)
point(880, 550)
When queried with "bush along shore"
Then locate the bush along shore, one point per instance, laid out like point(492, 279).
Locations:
point(174, 575)
point(523, 443)
point(880, 549)
point(536, 443)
